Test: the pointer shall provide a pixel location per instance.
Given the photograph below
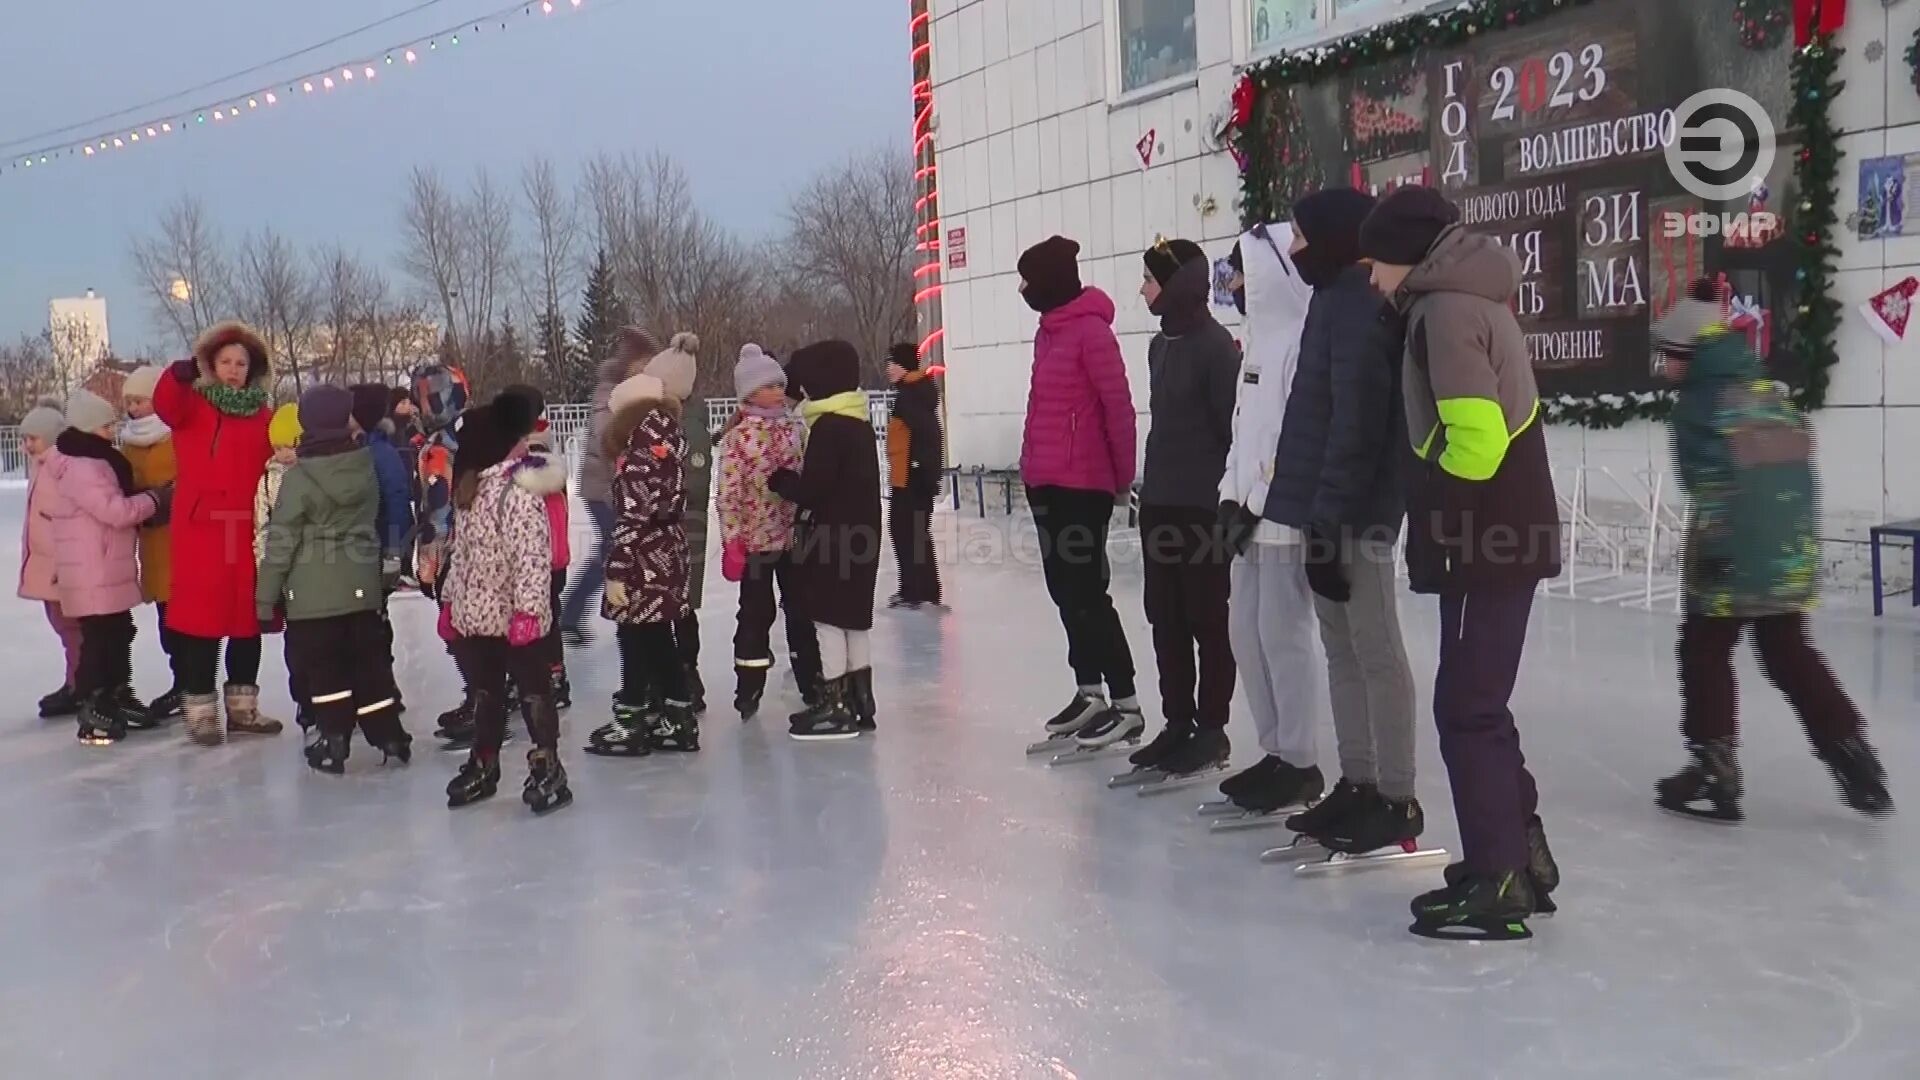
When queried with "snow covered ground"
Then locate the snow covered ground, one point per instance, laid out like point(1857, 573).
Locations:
point(931, 903)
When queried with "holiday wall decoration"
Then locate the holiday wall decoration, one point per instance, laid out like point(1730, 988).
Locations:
point(1887, 311)
point(1545, 121)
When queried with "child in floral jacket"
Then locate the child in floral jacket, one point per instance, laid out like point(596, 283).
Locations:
point(648, 565)
point(757, 527)
point(497, 606)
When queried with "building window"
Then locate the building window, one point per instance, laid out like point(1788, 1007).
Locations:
point(1275, 21)
point(1156, 42)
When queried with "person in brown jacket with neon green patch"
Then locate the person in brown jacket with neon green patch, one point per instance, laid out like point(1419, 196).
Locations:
point(1483, 530)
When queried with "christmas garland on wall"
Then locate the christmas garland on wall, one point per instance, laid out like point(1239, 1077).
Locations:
point(1269, 144)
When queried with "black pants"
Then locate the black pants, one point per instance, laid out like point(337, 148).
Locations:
point(169, 642)
point(910, 522)
point(1073, 557)
point(1483, 632)
point(686, 637)
point(1188, 578)
point(1709, 696)
point(198, 662)
point(753, 630)
point(487, 662)
point(106, 653)
point(650, 657)
point(345, 675)
point(554, 646)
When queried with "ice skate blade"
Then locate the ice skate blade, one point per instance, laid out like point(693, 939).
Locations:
point(1711, 817)
point(1219, 808)
point(1052, 744)
point(1473, 932)
point(1178, 783)
point(1300, 848)
point(1255, 819)
point(1092, 753)
point(1139, 775)
point(616, 752)
point(1407, 854)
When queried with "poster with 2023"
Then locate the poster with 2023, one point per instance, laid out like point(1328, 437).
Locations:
point(1550, 137)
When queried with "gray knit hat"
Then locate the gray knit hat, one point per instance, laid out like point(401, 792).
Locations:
point(756, 370)
point(45, 421)
point(677, 366)
point(88, 411)
point(1679, 330)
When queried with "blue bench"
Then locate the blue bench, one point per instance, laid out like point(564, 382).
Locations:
point(1910, 530)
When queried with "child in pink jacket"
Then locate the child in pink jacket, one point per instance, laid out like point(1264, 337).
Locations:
point(96, 518)
point(38, 550)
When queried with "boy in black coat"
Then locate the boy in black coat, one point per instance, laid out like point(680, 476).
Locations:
point(913, 460)
point(837, 552)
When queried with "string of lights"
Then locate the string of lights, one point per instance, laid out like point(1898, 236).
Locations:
point(927, 297)
point(366, 68)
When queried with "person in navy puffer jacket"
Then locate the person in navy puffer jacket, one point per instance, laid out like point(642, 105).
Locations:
point(1077, 459)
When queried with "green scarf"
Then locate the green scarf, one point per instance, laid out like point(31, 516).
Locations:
point(853, 403)
point(234, 400)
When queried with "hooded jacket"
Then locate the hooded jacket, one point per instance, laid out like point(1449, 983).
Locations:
point(221, 459)
point(499, 564)
point(1277, 301)
point(1480, 500)
point(321, 555)
point(1745, 460)
point(1193, 367)
point(837, 554)
point(913, 440)
point(1081, 431)
point(648, 565)
point(94, 515)
point(1336, 467)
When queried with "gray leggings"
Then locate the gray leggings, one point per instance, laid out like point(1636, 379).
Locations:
point(1368, 679)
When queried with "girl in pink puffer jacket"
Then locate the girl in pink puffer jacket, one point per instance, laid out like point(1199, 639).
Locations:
point(96, 518)
point(39, 549)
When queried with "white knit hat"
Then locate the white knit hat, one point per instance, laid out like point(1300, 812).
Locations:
point(45, 421)
point(636, 389)
point(141, 382)
point(677, 366)
point(88, 411)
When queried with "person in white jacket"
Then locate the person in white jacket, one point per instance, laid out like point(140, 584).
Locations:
point(1271, 616)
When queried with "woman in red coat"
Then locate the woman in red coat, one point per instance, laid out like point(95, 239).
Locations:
point(217, 406)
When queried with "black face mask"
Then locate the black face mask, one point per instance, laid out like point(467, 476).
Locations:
point(1317, 268)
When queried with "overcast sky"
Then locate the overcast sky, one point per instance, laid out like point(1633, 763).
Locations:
point(749, 95)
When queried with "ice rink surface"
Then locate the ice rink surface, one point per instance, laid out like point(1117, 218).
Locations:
point(930, 902)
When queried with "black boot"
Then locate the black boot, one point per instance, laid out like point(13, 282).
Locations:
point(478, 779)
point(860, 698)
point(1713, 778)
point(1477, 909)
point(750, 685)
point(328, 754)
point(831, 720)
point(166, 707)
point(1856, 769)
point(546, 789)
point(1345, 798)
point(103, 720)
point(675, 729)
point(62, 702)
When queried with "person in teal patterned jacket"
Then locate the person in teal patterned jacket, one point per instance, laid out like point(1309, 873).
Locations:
point(1750, 559)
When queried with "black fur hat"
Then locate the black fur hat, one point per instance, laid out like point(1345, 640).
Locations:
point(489, 433)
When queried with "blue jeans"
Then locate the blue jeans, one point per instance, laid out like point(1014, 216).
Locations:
point(593, 571)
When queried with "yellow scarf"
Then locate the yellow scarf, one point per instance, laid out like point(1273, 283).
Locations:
point(852, 403)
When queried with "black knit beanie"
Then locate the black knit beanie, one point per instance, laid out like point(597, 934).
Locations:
point(1330, 222)
point(1402, 229)
point(1052, 274)
point(904, 354)
point(1167, 256)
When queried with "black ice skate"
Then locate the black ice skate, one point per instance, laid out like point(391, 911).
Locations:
point(860, 699)
point(135, 711)
point(1066, 723)
point(1147, 761)
point(831, 720)
point(1543, 873)
point(457, 719)
point(1713, 778)
point(1856, 769)
point(1250, 776)
point(328, 754)
point(562, 688)
point(1376, 830)
point(103, 719)
point(546, 788)
point(626, 736)
point(61, 703)
point(1476, 909)
point(1114, 725)
point(478, 779)
point(400, 747)
point(167, 706)
point(1200, 757)
point(674, 729)
point(749, 687)
point(1268, 801)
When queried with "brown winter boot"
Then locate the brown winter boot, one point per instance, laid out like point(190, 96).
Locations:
point(202, 712)
point(243, 712)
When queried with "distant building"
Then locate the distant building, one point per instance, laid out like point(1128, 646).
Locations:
point(108, 376)
point(77, 328)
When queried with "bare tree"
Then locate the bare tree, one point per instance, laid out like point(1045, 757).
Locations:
point(458, 251)
point(850, 234)
point(432, 256)
point(184, 271)
point(27, 370)
point(551, 263)
point(276, 293)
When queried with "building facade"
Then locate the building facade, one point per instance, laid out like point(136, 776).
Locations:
point(77, 329)
point(1098, 119)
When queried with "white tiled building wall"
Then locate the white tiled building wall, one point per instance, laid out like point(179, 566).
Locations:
point(1036, 137)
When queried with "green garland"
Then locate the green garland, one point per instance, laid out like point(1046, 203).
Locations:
point(1263, 198)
